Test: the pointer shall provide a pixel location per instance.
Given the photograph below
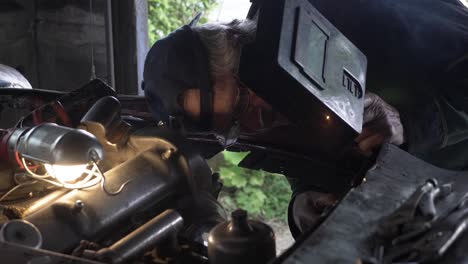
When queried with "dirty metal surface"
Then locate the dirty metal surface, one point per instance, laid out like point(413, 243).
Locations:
point(347, 234)
point(13, 253)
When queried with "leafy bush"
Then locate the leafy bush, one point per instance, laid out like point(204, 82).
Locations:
point(164, 16)
point(262, 194)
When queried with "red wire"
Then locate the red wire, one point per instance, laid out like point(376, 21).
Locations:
point(37, 116)
point(18, 159)
point(60, 110)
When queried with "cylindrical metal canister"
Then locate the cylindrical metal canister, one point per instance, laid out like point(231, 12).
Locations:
point(241, 241)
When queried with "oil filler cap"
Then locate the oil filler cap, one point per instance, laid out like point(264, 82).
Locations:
point(21, 232)
point(241, 241)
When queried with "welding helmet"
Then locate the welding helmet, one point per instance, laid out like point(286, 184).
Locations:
point(11, 78)
point(174, 64)
point(305, 68)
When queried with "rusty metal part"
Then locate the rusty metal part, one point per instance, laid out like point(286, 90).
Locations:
point(155, 231)
point(241, 241)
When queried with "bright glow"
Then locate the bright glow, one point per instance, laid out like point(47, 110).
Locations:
point(464, 2)
point(327, 117)
point(67, 174)
point(227, 10)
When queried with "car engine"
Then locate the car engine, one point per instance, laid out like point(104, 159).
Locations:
point(146, 194)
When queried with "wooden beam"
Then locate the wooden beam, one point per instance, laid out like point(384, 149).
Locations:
point(130, 44)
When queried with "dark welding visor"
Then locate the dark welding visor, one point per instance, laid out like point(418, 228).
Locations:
point(174, 64)
point(305, 68)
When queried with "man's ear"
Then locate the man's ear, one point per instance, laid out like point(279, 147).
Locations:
point(240, 39)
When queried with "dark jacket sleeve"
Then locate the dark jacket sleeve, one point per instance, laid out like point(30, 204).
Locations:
point(437, 132)
point(411, 46)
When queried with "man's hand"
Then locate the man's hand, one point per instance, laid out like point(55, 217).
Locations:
point(381, 124)
point(310, 207)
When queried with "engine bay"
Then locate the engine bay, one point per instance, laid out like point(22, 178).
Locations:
point(108, 188)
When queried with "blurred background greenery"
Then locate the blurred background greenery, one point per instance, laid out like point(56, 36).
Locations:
point(167, 15)
point(264, 195)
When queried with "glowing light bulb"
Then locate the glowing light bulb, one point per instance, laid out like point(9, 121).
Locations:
point(328, 117)
point(64, 173)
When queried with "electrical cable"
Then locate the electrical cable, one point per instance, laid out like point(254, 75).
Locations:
point(91, 179)
point(84, 182)
point(33, 174)
point(62, 113)
point(19, 124)
point(87, 182)
point(103, 182)
point(57, 182)
point(16, 188)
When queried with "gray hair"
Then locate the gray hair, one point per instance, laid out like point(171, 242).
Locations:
point(224, 42)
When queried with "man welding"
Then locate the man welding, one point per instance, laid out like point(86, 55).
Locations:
point(193, 74)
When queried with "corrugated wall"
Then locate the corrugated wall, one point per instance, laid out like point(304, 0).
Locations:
point(55, 43)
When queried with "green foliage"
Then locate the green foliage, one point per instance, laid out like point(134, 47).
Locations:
point(262, 194)
point(167, 15)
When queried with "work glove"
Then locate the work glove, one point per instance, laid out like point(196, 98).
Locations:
point(311, 207)
point(382, 124)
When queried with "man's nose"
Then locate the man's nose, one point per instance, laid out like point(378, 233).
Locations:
point(189, 100)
